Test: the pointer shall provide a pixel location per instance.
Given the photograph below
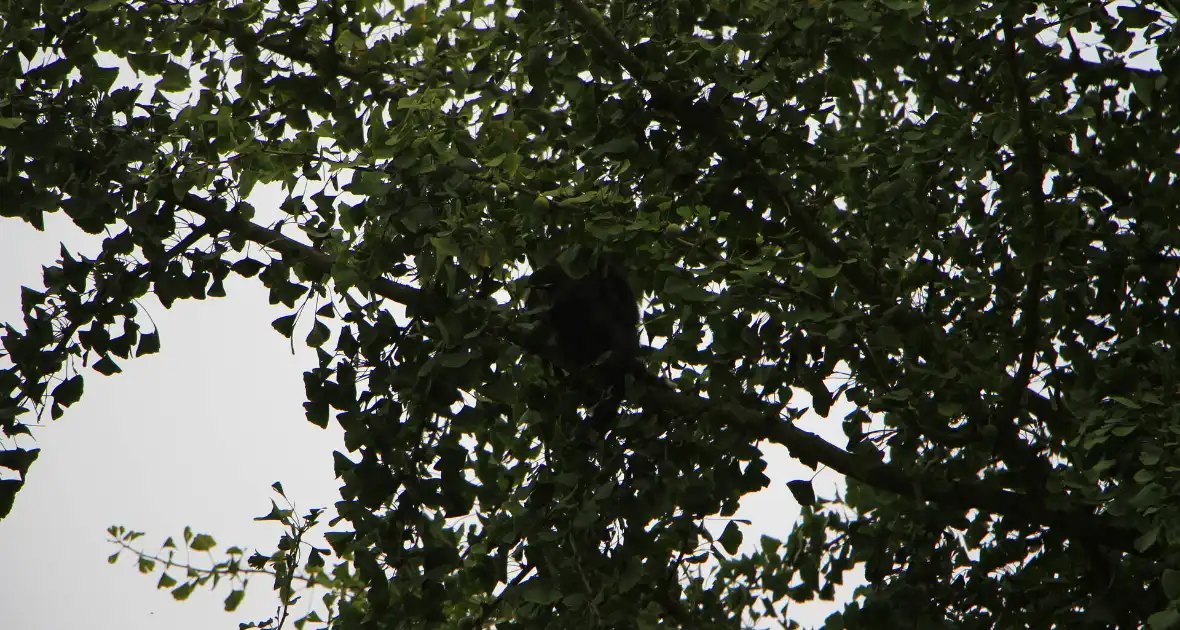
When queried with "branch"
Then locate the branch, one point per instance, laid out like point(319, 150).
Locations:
point(965, 495)
point(705, 123)
point(315, 55)
point(1083, 524)
point(418, 300)
point(1016, 449)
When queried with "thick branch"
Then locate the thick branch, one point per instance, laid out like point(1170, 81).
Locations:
point(705, 123)
point(1033, 166)
point(963, 495)
point(960, 495)
point(420, 301)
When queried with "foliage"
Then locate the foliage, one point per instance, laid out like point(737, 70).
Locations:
point(959, 218)
point(291, 570)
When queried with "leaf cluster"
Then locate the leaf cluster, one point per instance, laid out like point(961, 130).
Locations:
point(953, 224)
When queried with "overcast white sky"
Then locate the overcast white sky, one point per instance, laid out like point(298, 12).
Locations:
point(194, 436)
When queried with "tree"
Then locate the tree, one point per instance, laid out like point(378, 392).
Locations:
point(958, 217)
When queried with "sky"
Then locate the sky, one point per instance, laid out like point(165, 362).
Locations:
point(195, 436)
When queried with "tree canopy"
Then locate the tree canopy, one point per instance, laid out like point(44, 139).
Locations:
point(959, 218)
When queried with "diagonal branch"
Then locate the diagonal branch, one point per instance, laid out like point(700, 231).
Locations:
point(965, 495)
point(420, 301)
point(1084, 524)
point(1035, 171)
point(706, 124)
point(700, 120)
point(1030, 318)
point(961, 495)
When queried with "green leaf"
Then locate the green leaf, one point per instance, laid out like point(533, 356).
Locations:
point(149, 343)
point(202, 542)
point(19, 459)
point(234, 599)
point(1171, 583)
point(587, 196)
point(770, 545)
point(455, 359)
point(182, 592)
point(731, 538)
point(275, 514)
point(176, 78)
point(102, 78)
point(1144, 90)
point(446, 247)
point(625, 144)
point(1137, 16)
point(759, 83)
point(1147, 540)
point(68, 391)
point(106, 366)
point(1166, 619)
point(1126, 402)
point(247, 267)
point(319, 334)
point(285, 325)
point(802, 491)
point(824, 273)
point(538, 593)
